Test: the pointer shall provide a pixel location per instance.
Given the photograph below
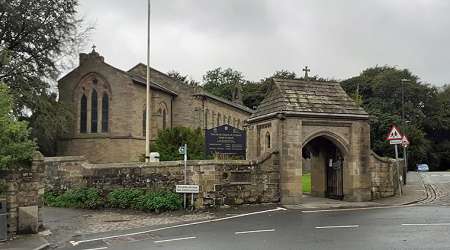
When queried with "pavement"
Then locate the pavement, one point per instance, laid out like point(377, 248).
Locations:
point(67, 226)
point(26, 242)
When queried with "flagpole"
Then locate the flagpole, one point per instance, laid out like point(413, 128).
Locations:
point(147, 106)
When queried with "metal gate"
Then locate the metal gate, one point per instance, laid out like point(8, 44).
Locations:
point(3, 221)
point(335, 178)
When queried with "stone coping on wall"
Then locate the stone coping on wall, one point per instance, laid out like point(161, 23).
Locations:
point(383, 159)
point(169, 164)
point(65, 159)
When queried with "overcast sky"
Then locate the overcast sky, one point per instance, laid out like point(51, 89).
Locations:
point(336, 39)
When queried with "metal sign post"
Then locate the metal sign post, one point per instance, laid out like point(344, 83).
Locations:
point(405, 144)
point(395, 138)
point(183, 150)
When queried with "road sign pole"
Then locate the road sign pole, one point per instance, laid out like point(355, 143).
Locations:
point(398, 172)
point(405, 169)
point(185, 181)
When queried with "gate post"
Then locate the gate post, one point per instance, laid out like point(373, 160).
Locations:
point(291, 162)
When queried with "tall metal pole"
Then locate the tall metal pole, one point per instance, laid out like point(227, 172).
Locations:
point(405, 168)
point(147, 106)
point(398, 171)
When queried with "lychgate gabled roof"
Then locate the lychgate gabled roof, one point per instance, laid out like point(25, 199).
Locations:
point(299, 97)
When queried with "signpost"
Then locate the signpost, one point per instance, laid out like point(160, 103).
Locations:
point(183, 151)
point(405, 144)
point(225, 139)
point(395, 138)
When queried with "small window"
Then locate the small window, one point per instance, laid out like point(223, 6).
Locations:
point(164, 119)
point(218, 119)
point(94, 112)
point(144, 121)
point(83, 114)
point(105, 113)
point(267, 140)
point(206, 118)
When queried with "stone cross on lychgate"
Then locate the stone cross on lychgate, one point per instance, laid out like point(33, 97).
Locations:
point(306, 70)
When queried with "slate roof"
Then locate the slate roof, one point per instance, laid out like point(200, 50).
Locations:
point(225, 101)
point(299, 97)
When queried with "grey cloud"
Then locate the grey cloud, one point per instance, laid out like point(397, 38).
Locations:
point(336, 39)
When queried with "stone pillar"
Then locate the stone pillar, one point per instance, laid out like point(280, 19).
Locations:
point(291, 162)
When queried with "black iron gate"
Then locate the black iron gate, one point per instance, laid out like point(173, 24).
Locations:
point(335, 177)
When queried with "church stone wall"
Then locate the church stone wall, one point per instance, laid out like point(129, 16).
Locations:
point(221, 182)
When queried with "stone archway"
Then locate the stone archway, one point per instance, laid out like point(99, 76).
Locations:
point(327, 161)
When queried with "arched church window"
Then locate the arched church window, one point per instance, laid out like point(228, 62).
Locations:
point(144, 120)
point(164, 119)
point(267, 140)
point(218, 119)
point(224, 119)
point(105, 113)
point(238, 125)
point(94, 111)
point(83, 114)
point(206, 118)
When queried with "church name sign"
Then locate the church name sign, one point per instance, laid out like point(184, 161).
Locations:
point(225, 139)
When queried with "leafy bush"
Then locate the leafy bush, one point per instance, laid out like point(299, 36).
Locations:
point(76, 198)
point(159, 201)
point(15, 143)
point(124, 197)
point(169, 140)
point(120, 198)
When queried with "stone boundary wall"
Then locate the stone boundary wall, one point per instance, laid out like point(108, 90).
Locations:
point(384, 176)
point(24, 196)
point(229, 182)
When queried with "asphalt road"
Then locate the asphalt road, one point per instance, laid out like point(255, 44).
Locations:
point(420, 226)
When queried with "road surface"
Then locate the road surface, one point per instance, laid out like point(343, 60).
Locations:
point(425, 225)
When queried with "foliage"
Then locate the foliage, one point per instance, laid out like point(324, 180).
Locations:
point(15, 145)
point(89, 198)
point(222, 82)
point(426, 115)
point(306, 183)
point(183, 78)
point(124, 197)
point(35, 40)
point(150, 201)
point(169, 140)
point(158, 201)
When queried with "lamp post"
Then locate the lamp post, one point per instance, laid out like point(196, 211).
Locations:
point(405, 160)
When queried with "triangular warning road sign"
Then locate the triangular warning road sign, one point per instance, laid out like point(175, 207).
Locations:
point(394, 134)
point(405, 141)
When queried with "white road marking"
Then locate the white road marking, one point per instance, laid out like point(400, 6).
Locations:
point(329, 227)
point(74, 243)
point(98, 248)
point(176, 239)
point(426, 224)
point(352, 209)
point(255, 231)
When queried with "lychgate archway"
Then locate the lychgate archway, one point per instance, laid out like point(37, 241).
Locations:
point(326, 167)
point(320, 121)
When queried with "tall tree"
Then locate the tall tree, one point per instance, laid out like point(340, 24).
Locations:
point(186, 79)
point(381, 91)
point(34, 39)
point(221, 82)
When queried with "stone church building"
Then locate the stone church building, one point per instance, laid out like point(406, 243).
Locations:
point(109, 109)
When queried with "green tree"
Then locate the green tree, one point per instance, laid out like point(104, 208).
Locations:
point(169, 140)
point(34, 40)
point(221, 82)
point(15, 145)
point(380, 89)
point(186, 79)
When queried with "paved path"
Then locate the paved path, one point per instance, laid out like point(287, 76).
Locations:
point(425, 225)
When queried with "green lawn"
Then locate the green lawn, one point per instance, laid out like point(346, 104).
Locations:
point(306, 183)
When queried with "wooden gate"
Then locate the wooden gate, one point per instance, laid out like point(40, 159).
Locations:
point(335, 177)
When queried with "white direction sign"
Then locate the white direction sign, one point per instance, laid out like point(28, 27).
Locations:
point(187, 189)
point(405, 141)
point(394, 134)
point(393, 142)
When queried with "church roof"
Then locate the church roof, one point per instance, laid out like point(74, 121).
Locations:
point(299, 97)
point(222, 100)
point(153, 85)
